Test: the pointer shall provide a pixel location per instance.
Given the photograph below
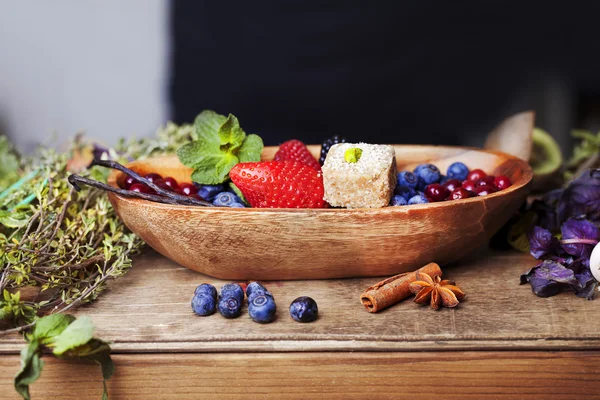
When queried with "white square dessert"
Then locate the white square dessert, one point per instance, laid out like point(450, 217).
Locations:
point(359, 175)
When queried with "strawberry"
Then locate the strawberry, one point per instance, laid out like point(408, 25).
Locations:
point(295, 150)
point(279, 184)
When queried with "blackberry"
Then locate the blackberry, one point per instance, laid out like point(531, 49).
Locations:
point(326, 145)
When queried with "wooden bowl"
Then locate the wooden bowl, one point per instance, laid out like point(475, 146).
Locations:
point(267, 244)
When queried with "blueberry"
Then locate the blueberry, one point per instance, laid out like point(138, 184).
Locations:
point(458, 171)
point(408, 179)
point(252, 286)
point(226, 199)
point(421, 185)
point(234, 290)
point(259, 292)
point(262, 308)
point(204, 304)
point(405, 192)
point(428, 172)
point(230, 306)
point(206, 288)
point(443, 179)
point(398, 200)
point(304, 309)
point(237, 205)
point(208, 192)
point(418, 199)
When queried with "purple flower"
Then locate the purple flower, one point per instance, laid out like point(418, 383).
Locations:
point(579, 236)
point(581, 198)
point(550, 278)
point(542, 243)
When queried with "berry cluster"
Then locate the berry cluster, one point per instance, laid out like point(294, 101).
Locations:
point(426, 184)
point(216, 194)
point(261, 303)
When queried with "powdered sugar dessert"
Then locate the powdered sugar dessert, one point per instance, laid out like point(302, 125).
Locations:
point(359, 175)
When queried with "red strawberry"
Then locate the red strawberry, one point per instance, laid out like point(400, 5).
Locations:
point(279, 184)
point(295, 150)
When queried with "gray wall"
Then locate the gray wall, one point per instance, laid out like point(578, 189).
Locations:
point(71, 65)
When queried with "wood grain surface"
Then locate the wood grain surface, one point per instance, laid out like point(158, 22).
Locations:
point(148, 310)
point(249, 243)
point(418, 376)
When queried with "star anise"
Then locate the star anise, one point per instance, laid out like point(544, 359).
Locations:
point(437, 291)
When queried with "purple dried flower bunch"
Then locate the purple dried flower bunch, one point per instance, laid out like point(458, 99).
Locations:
point(566, 234)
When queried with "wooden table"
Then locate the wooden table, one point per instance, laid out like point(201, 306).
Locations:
point(502, 342)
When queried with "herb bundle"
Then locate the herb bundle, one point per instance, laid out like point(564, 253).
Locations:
point(58, 248)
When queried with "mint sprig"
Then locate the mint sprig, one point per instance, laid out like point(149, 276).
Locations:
point(221, 144)
point(67, 337)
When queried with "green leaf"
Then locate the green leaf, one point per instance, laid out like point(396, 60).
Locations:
point(46, 328)
point(224, 165)
point(31, 368)
point(251, 149)
point(207, 126)
point(14, 219)
point(517, 234)
point(191, 154)
point(78, 333)
point(206, 171)
point(231, 136)
point(238, 192)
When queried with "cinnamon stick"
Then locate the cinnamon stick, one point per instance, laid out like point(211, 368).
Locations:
point(392, 290)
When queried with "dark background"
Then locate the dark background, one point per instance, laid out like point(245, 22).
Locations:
point(386, 71)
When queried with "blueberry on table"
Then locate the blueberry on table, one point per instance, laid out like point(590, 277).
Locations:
point(256, 289)
point(206, 288)
point(408, 179)
point(262, 308)
point(204, 304)
point(398, 200)
point(428, 172)
point(234, 290)
point(252, 286)
point(458, 171)
point(304, 309)
point(418, 199)
point(230, 306)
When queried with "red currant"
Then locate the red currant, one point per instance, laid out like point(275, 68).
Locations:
point(436, 192)
point(502, 182)
point(152, 177)
point(475, 175)
point(171, 182)
point(128, 182)
point(485, 181)
point(469, 185)
point(140, 188)
point(188, 189)
point(460, 193)
point(484, 190)
point(451, 184)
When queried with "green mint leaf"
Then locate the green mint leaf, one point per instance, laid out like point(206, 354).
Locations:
point(192, 154)
point(225, 164)
point(231, 136)
point(78, 333)
point(251, 149)
point(213, 169)
point(207, 125)
point(46, 328)
point(238, 192)
point(31, 369)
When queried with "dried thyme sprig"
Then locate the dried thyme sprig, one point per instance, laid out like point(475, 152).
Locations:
point(58, 247)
